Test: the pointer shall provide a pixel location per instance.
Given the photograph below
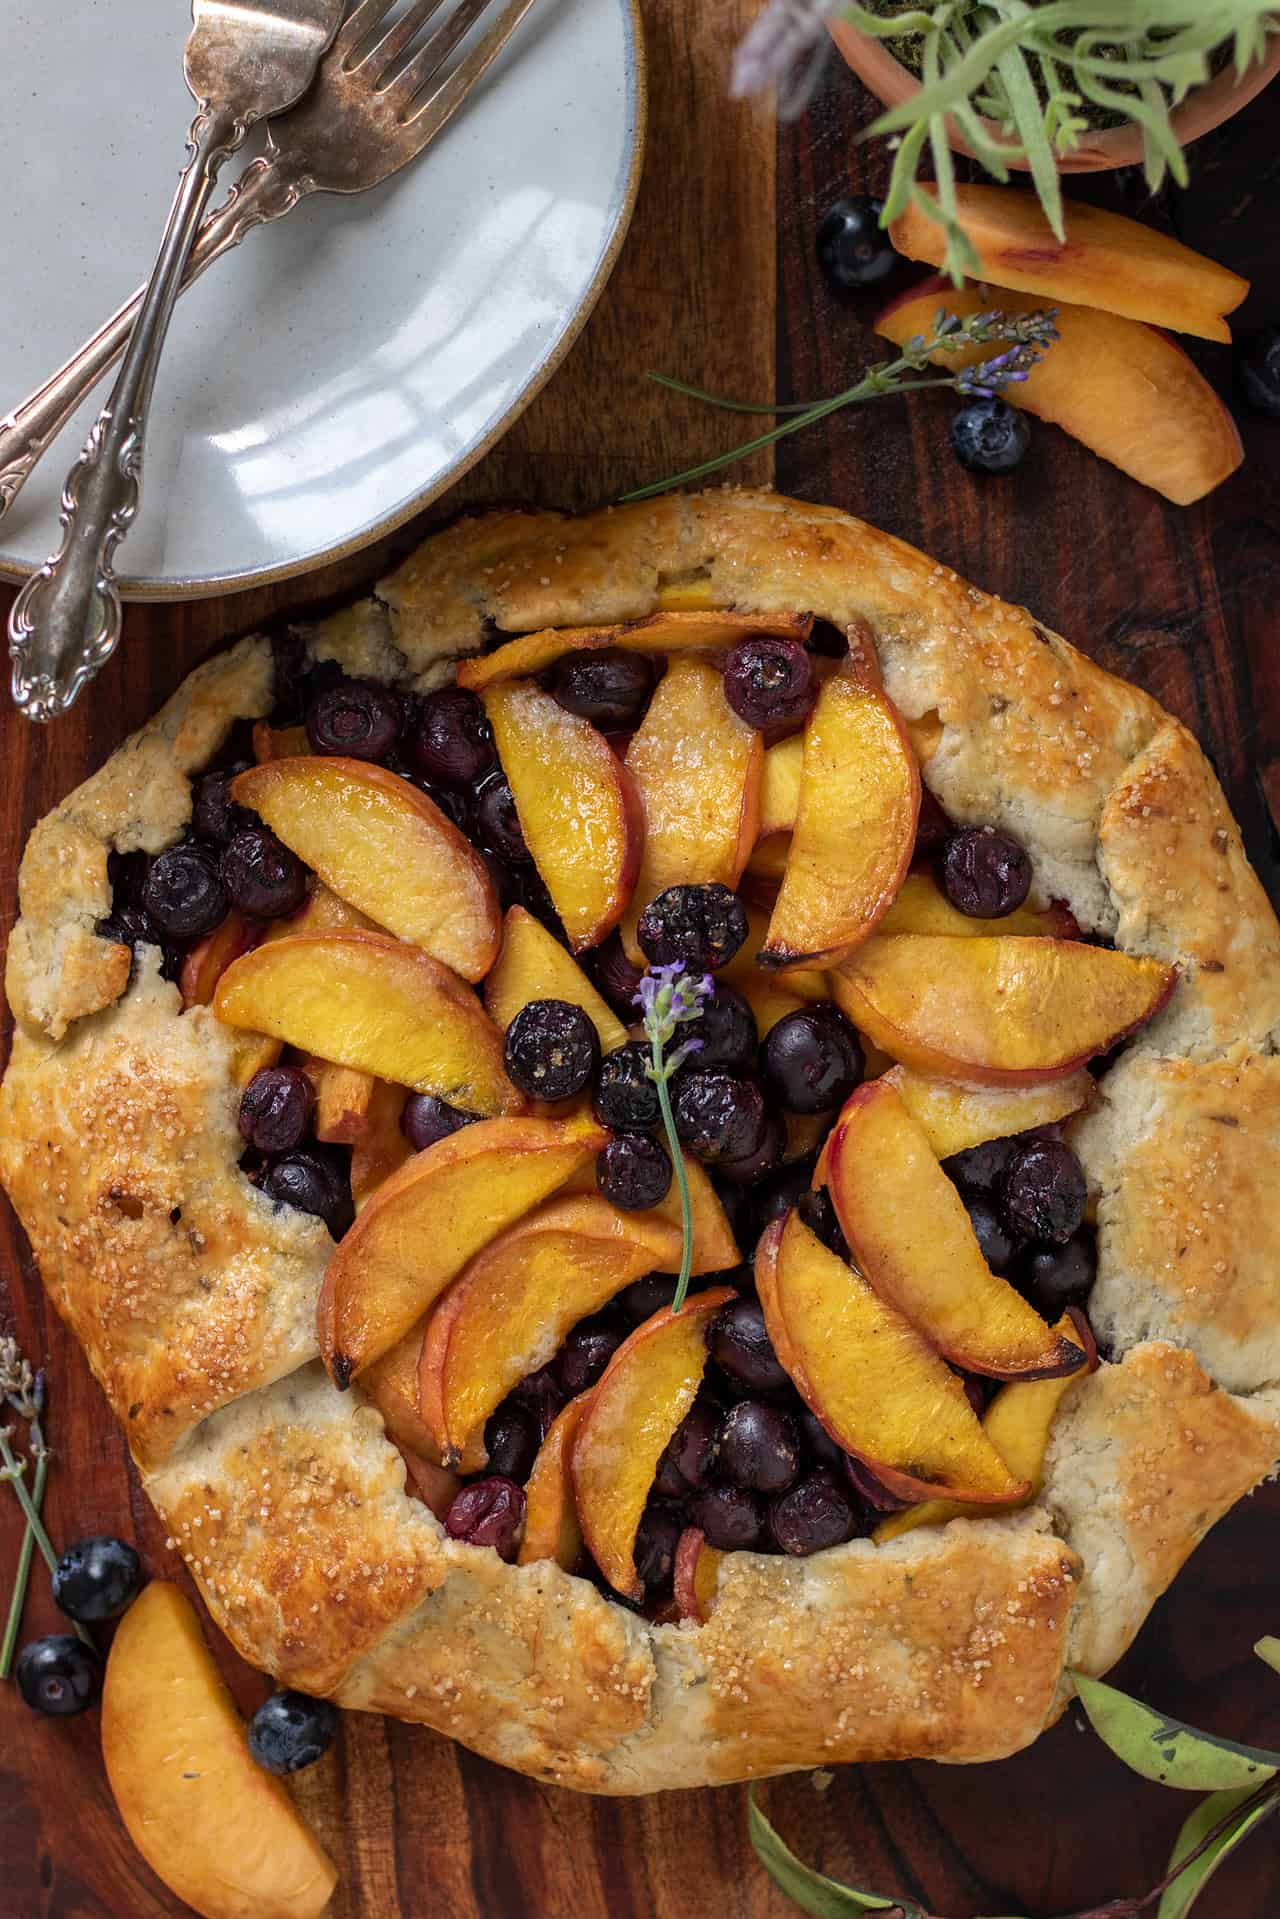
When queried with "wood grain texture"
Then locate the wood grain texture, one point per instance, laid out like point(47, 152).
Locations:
point(718, 273)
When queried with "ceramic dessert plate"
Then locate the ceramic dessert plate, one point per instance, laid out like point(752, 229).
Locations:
point(342, 368)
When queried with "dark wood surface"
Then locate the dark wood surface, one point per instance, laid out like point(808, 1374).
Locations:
point(718, 283)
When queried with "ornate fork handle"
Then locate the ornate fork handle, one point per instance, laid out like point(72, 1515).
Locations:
point(66, 620)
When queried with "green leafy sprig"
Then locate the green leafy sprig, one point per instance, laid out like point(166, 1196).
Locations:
point(1242, 1783)
point(24, 1393)
point(669, 998)
point(1025, 337)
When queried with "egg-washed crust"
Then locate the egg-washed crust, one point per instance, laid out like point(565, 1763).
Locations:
point(195, 1299)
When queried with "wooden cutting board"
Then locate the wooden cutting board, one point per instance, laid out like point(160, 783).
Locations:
point(718, 284)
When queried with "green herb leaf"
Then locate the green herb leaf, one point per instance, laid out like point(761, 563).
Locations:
point(1268, 1650)
point(1181, 1895)
point(1166, 1750)
point(812, 1891)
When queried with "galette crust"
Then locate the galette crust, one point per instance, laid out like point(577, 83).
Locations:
point(195, 1300)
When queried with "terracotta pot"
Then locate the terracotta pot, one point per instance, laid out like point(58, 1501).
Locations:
point(1206, 108)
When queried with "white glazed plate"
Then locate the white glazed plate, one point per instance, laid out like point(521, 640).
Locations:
point(343, 366)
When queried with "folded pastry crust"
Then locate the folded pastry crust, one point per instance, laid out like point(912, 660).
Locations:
point(195, 1299)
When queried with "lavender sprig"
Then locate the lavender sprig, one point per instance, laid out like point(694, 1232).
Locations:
point(669, 997)
point(1026, 338)
point(24, 1392)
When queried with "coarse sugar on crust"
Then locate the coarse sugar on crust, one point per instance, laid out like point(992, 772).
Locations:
point(195, 1299)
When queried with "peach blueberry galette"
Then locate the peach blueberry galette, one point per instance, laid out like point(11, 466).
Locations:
point(333, 1119)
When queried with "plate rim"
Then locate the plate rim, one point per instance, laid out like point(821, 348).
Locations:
point(145, 590)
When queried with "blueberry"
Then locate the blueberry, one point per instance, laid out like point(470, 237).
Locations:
point(291, 1730)
point(700, 927)
point(58, 1675)
point(690, 1453)
point(818, 1443)
point(451, 740)
point(262, 877)
point(607, 685)
point(769, 682)
point(748, 1168)
point(759, 1447)
point(497, 824)
point(657, 1537)
point(214, 814)
point(424, 1120)
point(817, 1513)
point(312, 1181)
point(812, 1059)
point(356, 719)
point(727, 1030)
point(979, 1171)
point(740, 1345)
point(775, 1199)
point(617, 979)
point(985, 874)
point(719, 1115)
point(586, 1352)
point(552, 1049)
point(96, 1578)
point(128, 926)
point(995, 1242)
point(488, 1512)
point(633, 1172)
point(1055, 1277)
point(276, 1108)
point(541, 1396)
point(729, 1518)
point(645, 1297)
point(932, 826)
point(1045, 1192)
point(989, 436)
point(1258, 370)
point(853, 248)
point(511, 1439)
point(625, 1098)
point(819, 1215)
point(183, 894)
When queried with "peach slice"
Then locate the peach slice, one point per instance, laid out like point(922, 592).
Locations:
point(780, 785)
point(278, 742)
point(381, 1149)
point(695, 1575)
point(533, 965)
point(322, 912)
point(715, 1249)
point(999, 1011)
point(381, 844)
point(391, 1384)
point(1018, 1423)
point(767, 867)
point(1106, 260)
point(855, 826)
point(909, 1232)
point(551, 1529)
point(250, 1052)
point(577, 804)
point(222, 1834)
point(344, 1096)
point(508, 1313)
point(210, 957)
point(697, 768)
point(666, 632)
point(1124, 390)
point(878, 1387)
point(434, 1485)
point(636, 1405)
point(742, 971)
point(422, 1226)
point(363, 1000)
point(770, 1001)
point(955, 1117)
point(922, 907)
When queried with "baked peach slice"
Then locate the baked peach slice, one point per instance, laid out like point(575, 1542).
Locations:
point(378, 842)
point(1124, 390)
point(780, 785)
point(344, 1096)
point(695, 1575)
point(534, 965)
point(278, 742)
point(697, 769)
point(715, 1249)
point(665, 632)
point(743, 972)
point(876, 1384)
point(508, 1312)
point(381, 1149)
point(955, 1117)
point(767, 867)
point(386, 1008)
point(391, 1384)
point(636, 1405)
point(1018, 1423)
point(551, 1529)
point(921, 906)
point(1104, 260)
point(855, 826)
point(434, 1485)
point(1000, 1011)
point(577, 804)
point(770, 1000)
point(321, 912)
point(222, 1834)
point(209, 958)
point(422, 1226)
point(909, 1233)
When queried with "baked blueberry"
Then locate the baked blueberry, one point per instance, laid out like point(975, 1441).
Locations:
point(757, 1165)
point(759, 1447)
point(541, 1396)
point(700, 927)
point(424, 1119)
point(979, 1171)
point(989, 436)
point(690, 1453)
point(727, 1030)
point(552, 1049)
point(615, 976)
point(821, 1448)
point(488, 1512)
point(657, 1537)
point(985, 874)
point(625, 1097)
point(645, 1297)
point(97, 1578)
point(854, 250)
point(451, 740)
point(769, 683)
point(183, 895)
point(312, 1180)
point(932, 827)
point(497, 824)
point(586, 1352)
point(214, 814)
point(817, 1513)
point(1045, 1192)
point(357, 719)
point(58, 1675)
point(263, 878)
point(276, 1108)
point(741, 1347)
point(1258, 370)
point(292, 1730)
point(995, 1242)
point(608, 686)
point(633, 1171)
point(775, 1198)
point(128, 926)
point(511, 1440)
point(1055, 1277)
point(812, 1059)
point(729, 1518)
point(718, 1115)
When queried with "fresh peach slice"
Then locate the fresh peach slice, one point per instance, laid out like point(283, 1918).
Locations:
point(384, 846)
point(363, 1000)
point(780, 786)
point(955, 1117)
point(1124, 390)
point(909, 1232)
point(551, 1529)
point(534, 965)
point(278, 742)
point(381, 1149)
point(922, 907)
point(344, 1096)
point(210, 957)
point(1106, 260)
point(508, 1313)
point(666, 632)
point(855, 826)
point(715, 1249)
point(577, 803)
point(697, 768)
point(1017, 1422)
point(636, 1405)
point(999, 1011)
point(422, 1226)
point(695, 1575)
point(878, 1387)
point(222, 1834)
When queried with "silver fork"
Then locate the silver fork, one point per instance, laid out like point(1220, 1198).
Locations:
point(242, 62)
point(376, 103)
